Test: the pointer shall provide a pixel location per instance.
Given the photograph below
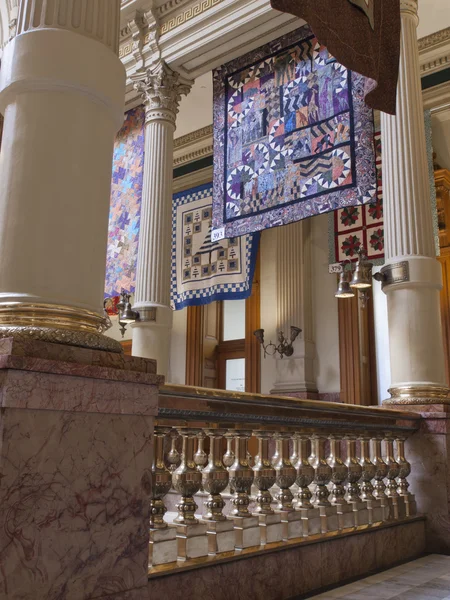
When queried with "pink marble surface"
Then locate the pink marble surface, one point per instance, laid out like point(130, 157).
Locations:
point(74, 495)
point(60, 367)
point(72, 354)
point(34, 390)
point(295, 571)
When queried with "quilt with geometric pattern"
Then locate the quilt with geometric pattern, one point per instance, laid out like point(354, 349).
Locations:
point(292, 137)
point(205, 269)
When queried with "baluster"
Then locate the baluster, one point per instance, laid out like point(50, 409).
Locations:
point(322, 471)
point(360, 510)
point(339, 473)
point(162, 540)
point(381, 470)
point(173, 457)
point(192, 541)
point(229, 456)
point(187, 479)
point(200, 456)
point(305, 473)
point(368, 473)
point(286, 474)
point(395, 502)
point(246, 526)
point(322, 477)
point(215, 478)
point(265, 476)
point(295, 450)
point(404, 472)
point(220, 530)
point(161, 480)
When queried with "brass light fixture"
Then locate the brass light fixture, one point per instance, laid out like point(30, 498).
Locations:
point(357, 280)
point(284, 347)
point(126, 314)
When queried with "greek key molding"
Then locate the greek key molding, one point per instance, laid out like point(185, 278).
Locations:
point(194, 136)
point(188, 14)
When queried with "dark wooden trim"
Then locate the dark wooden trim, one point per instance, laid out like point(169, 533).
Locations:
point(194, 345)
point(126, 345)
point(349, 350)
point(252, 346)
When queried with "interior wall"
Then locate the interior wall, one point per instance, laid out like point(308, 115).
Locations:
point(440, 124)
point(325, 311)
point(381, 339)
point(268, 283)
point(177, 358)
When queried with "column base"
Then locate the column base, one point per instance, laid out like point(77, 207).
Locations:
point(418, 394)
point(292, 525)
point(151, 337)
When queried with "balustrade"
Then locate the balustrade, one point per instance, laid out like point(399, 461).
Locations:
point(311, 476)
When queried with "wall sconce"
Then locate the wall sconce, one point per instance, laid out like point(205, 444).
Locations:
point(126, 314)
point(284, 347)
point(359, 280)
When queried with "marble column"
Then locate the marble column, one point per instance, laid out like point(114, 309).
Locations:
point(413, 274)
point(161, 90)
point(62, 90)
point(295, 374)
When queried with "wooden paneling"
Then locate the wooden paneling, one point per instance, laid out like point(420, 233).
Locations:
point(252, 346)
point(194, 346)
point(442, 181)
point(126, 345)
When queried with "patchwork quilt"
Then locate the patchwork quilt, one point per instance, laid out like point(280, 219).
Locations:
point(292, 137)
point(205, 269)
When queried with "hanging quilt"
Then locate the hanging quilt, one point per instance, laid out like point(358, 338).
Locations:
point(292, 137)
point(205, 269)
point(361, 226)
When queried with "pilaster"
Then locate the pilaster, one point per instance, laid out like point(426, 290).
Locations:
point(294, 307)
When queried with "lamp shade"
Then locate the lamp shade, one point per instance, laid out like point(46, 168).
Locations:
point(344, 290)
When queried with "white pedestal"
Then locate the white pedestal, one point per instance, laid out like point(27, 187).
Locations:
point(312, 522)
point(329, 518)
point(270, 528)
point(162, 546)
point(192, 541)
point(247, 532)
point(291, 525)
point(221, 536)
point(360, 513)
point(346, 518)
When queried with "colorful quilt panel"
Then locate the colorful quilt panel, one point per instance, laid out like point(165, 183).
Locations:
point(292, 137)
point(125, 207)
point(205, 269)
point(361, 226)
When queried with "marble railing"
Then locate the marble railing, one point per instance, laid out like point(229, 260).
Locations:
point(270, 471)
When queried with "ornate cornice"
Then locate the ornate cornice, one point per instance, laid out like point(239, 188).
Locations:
point(434, 39)
point(194, 155)
point(160, 89)
point(188, 14)
point(194, 136)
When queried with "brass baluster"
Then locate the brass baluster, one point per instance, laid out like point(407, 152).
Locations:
point(161, 480)
point(395, 506)
point(200, 456)
point(354, 470)
point(229, 456)
point(187, 479)
point(285, 472)
point(338, 471)
point(381, 471)
point(403, 484)
point(264, 474)
point(241, 475)
point(322, 471)
point(215, 478)
point(368, 469)
point(173, 457)
point(305, 473)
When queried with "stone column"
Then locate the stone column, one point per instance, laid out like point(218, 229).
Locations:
point(161, 91)
point(62, 96)
point(295, 375)
point(414, 275)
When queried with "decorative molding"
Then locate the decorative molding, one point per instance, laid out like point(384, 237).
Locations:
point(190, 13)
point(191, 156)
point(194, 136)
point(434, 52)
point(434, 39)
point(193, 179)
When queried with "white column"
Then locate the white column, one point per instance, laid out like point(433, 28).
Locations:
point(161, 90)
point(62, 96)
point(415, 332)
point(294, 307)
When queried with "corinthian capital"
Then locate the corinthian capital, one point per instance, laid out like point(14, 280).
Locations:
point(161, 91)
